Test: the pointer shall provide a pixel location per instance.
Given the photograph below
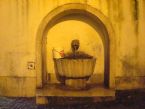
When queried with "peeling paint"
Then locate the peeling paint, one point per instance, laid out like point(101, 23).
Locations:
point(136, 14)
point(135, 9)
point(128, 66)
point(124, 83)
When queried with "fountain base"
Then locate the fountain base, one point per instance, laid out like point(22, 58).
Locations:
point(96, 91)
point(75, 83)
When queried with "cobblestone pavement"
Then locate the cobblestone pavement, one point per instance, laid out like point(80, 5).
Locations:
point(129, 100)
point(17, 103)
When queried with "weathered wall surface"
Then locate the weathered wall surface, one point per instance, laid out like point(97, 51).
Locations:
point(19, 20)
point(130, 55)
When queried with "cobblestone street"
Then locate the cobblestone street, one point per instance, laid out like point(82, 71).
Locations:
point(127, 100)
point(17, 103)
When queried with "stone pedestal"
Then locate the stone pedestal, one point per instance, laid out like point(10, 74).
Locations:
point(75, 83)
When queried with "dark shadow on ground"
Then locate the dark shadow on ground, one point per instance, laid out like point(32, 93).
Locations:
point(131, 99)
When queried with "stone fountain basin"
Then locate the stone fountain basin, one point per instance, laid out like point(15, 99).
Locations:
point(75, 68)
point(74, 72)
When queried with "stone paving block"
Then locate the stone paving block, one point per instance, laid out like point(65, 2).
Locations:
point(128, 100)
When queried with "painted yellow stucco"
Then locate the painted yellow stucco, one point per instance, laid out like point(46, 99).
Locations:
point(19, 23)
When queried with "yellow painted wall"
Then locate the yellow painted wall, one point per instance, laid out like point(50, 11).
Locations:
point(19, 21)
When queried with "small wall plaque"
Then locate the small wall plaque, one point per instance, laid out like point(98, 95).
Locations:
point(31, 65)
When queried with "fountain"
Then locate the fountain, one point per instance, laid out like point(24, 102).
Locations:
point(75, 68)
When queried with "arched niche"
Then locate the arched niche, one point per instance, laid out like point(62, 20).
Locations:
point(93, 14)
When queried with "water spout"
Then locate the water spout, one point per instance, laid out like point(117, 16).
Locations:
point(75, 44)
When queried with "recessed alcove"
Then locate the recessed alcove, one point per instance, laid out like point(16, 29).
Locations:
point(76, 26)
point(93, 29)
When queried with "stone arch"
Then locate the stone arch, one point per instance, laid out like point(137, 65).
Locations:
point(73, 8)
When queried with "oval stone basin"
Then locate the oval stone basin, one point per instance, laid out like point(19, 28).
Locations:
point(75, 71)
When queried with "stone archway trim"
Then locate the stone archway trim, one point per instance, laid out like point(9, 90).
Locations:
point(62, 9)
